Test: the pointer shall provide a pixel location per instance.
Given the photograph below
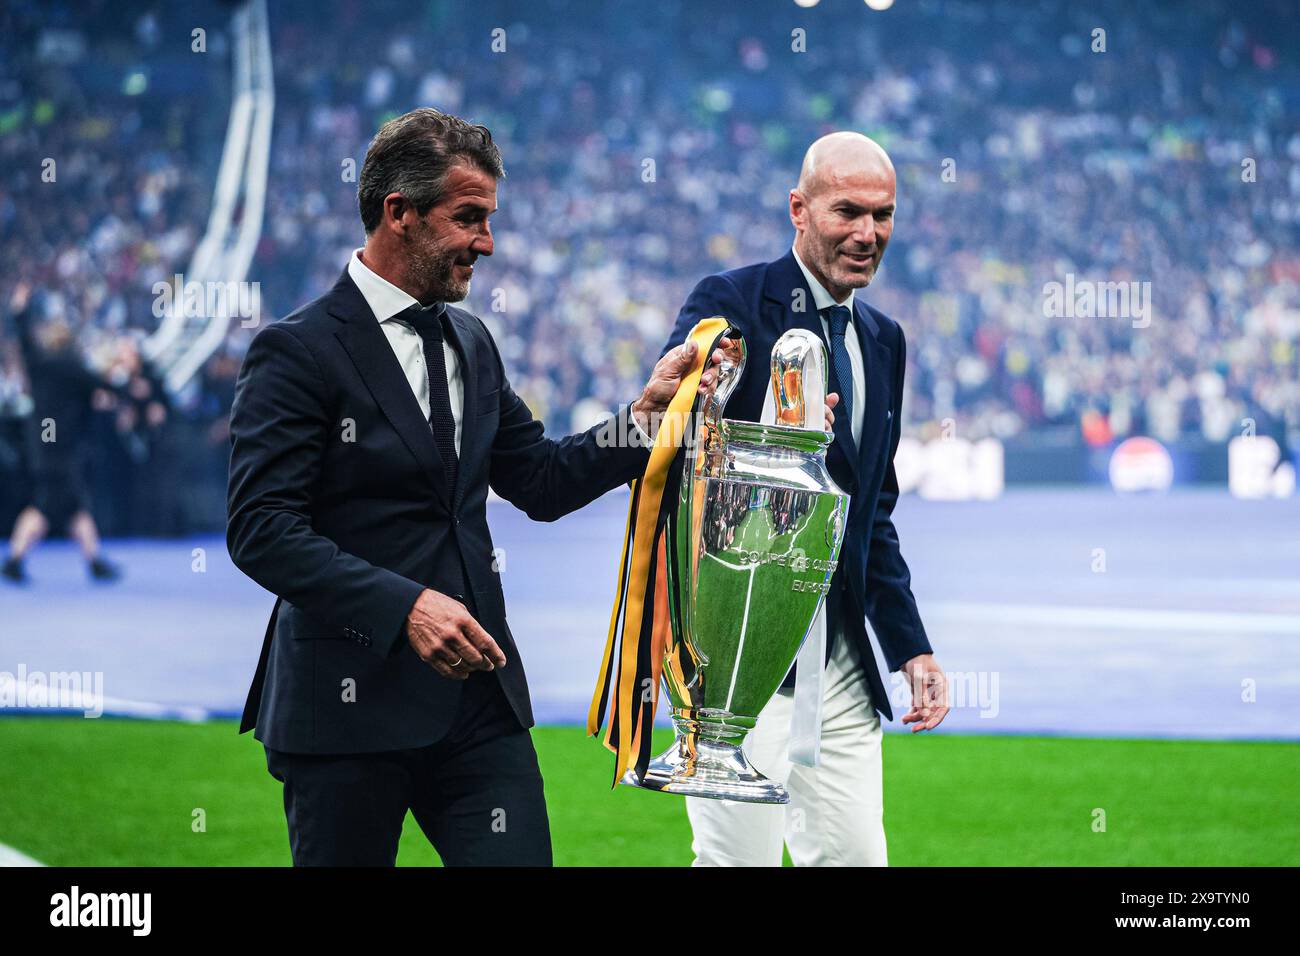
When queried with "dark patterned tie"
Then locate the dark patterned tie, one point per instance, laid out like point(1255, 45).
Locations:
point(428, 323)
point(837, 318)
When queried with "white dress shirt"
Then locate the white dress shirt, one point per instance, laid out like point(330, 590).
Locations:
point(802, 740)
point(387, 301)
point(823, 300)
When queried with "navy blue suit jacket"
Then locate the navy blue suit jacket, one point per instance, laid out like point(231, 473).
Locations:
point(872, 580)
point(339, 504)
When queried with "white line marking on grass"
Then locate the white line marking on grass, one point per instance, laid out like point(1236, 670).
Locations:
point(1125, 619)
point(60, 693)
point(11, 857)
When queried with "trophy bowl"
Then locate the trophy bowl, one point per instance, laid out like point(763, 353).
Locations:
point(751, 545)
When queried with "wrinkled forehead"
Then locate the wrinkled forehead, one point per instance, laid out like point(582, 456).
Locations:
point(869, 184)
point(466, 183)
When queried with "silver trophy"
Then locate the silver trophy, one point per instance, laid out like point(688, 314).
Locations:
point(751, 546)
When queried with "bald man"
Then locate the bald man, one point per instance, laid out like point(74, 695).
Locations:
point(843, 214)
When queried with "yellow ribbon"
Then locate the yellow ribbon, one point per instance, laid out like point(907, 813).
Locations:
point(639, 541)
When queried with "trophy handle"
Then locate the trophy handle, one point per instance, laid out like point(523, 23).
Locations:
point(799, 379)
point(705, 451)
point(729, 372)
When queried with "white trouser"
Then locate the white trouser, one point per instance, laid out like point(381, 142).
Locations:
point(835, 816)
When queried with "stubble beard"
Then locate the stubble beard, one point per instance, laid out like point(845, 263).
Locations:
point(431, 267)
point(843, 277)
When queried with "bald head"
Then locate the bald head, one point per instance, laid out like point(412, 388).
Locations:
point(843, 210)
point(841, 155)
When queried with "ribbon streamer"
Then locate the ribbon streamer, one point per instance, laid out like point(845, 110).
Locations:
point(628, 687)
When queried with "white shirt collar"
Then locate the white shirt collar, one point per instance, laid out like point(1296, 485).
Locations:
point(821, 298)
point(385, 299)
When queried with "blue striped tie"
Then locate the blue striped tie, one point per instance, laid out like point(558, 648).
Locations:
point(837, 319)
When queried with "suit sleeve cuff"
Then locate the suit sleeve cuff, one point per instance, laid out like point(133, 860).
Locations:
point(390, 631)
point(646, 440)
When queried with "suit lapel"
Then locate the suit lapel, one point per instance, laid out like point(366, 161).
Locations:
point(786, 286)
point(364, 341)
point(877, 363)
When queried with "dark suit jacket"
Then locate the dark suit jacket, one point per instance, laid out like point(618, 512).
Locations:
point(339, 505)
point(871, 580)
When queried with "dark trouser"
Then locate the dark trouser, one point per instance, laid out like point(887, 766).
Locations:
point(476, 794)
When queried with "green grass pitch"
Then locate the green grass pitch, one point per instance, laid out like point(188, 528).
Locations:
point(120, 793)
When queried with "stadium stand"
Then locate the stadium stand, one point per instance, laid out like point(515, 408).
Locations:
point(647, 146)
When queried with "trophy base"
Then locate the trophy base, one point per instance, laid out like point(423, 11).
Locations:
point(709, 768)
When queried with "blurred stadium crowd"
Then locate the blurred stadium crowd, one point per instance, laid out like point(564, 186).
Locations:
point(648, 145)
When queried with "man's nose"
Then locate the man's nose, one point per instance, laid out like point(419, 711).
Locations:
point(482, 243)
point(865, 233)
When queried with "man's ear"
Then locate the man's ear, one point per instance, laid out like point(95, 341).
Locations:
point(395, 209)
point(798, 208)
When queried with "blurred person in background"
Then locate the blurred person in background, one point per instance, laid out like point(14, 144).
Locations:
point(140, 410)
point(63, 391)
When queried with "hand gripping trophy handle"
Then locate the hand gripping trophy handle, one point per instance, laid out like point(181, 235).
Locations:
point(752, 544)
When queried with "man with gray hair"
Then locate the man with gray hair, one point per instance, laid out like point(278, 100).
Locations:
point(820, 735)
point(366, 431)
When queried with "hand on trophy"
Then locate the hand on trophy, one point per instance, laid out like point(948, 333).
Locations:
point(667, 376)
